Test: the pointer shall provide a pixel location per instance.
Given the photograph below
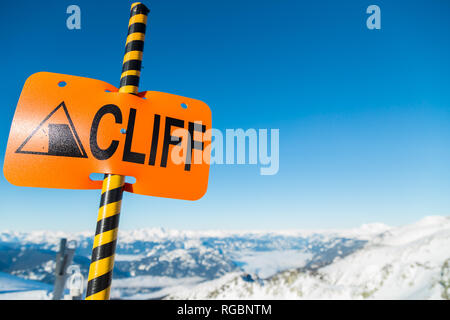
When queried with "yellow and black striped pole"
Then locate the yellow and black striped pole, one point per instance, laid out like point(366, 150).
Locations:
point(102, 260)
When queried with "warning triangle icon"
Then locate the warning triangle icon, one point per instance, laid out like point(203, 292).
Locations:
point(54, 136)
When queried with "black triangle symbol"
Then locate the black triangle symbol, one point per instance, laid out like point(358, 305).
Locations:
point(63, 140)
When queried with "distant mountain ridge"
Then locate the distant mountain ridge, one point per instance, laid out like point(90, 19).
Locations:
point(203, 255)
point(51, 238)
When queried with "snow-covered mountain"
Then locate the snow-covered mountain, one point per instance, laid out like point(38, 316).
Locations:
point(179, 254)
point(411, 262)
point(373, 261)
point(172, 256)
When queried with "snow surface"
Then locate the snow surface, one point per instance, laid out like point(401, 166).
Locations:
point(267, 263)
point(15, 288)
point(150, 287)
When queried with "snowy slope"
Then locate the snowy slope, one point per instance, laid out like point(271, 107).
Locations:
point(410, 262)
point(15, 288)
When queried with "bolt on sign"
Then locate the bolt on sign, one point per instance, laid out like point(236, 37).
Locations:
point(67, 127)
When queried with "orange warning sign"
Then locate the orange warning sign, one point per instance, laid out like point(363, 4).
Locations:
point(67, 127)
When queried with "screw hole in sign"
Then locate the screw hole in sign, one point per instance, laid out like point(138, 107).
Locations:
point(97, 176)
point(184, 105)
point(62, 83)
point(123, 131)
point(130, 179)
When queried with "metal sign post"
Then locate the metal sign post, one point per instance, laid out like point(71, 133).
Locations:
point(102, 260)
point(63, 260)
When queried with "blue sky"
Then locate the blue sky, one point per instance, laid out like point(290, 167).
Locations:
point(363, 114)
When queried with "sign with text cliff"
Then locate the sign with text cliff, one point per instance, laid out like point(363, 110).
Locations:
point(67, 127)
